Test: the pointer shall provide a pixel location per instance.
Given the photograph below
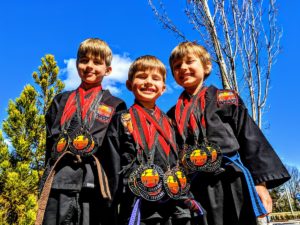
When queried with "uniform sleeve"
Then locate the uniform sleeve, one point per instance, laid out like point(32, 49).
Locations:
point(116, 148)
point(256, 152)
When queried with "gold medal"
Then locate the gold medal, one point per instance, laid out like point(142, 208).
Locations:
point(82, 144)
point(60, 145)
point(132, 182)
point(196, 158)
point(215, 156)
point(149, 178)
point(172, 184)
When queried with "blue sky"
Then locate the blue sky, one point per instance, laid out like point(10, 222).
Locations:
point(30, 29)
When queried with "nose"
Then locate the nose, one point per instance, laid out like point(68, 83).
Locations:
point(183, 66)
point(89, 64)
point(148, 80)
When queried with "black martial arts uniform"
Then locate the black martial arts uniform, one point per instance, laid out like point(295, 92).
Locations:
point(225, 195)
point(75, 197)
point(122, 143)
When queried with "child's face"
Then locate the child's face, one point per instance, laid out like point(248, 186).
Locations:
point(92, 69)
point(147, 86)
point(189, 72)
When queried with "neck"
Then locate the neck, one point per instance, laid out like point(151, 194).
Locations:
point(87, 86)
point(147, 105)
point(194, 90)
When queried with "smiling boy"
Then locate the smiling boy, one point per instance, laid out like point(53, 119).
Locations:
point(216, 123)
point(75, 187)
point(152, 185)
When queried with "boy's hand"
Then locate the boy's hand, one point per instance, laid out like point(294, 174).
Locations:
point(265, 197)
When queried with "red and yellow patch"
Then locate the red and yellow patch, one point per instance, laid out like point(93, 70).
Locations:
point(227, 97)
point(104, 113)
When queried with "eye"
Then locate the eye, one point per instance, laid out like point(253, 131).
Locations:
point(190, 61)
point(157, 78)
point(83, 60)
point(98, 62)
point(176, 65)
point(141, 76)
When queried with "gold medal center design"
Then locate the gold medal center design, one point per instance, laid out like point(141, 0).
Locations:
point(173, 185)
point(150, 178)
point(61, 144)
point(80, 142)
point(182, 179)
point(198, 157)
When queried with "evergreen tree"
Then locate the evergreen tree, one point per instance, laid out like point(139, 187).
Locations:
point(21, 167)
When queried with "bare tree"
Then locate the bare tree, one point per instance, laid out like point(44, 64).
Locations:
point(243, 38)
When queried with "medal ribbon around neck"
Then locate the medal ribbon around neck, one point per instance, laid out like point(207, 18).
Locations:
point(184, 114)
point(206, 156)
point(175, 181)
point(82, 143)
point(168, 138)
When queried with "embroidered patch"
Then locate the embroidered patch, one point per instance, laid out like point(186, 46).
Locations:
point(227, 97)
point(104, 113)
point(127, 123)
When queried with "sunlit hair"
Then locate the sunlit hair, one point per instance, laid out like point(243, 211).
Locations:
point(95, 47)
point(187, 47)
point(144, 63)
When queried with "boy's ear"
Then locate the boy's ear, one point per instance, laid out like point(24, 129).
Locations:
point(129, 85)
point(163, 89)
point(108, 70)
point(208, 68)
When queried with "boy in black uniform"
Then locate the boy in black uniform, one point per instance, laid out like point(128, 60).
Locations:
point(153, 187)
point(229, 159)
point(75, 188)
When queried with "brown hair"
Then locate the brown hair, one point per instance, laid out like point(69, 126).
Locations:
point(147, 62)
point(95, 47)
point(184, 48)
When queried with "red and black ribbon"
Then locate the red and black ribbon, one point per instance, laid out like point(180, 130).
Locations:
point(186, 113)
point(146, 126)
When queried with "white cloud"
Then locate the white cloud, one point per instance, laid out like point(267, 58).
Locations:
point(72, 80)
point(120, 66)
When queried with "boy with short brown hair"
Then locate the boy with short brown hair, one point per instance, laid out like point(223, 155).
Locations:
point(153, 186)
point(76, 188)
point(230, 160)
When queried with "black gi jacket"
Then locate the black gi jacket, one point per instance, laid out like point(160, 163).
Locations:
point(231, 127)
point(122, 149)
point(70, 175)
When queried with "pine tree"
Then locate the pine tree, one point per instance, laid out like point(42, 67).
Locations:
point(4, 166)
point(21, 167)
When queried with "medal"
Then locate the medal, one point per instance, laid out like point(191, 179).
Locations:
point(82, 143)
point(149, 181)
point(196, 158)
point(153, 196)
point(60, 145)
point(215, 156)
point(132, 182)
point(172, 184)
point(149, 178)
point(184, 184)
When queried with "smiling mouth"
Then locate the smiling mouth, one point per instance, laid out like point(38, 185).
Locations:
point(148, 90)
